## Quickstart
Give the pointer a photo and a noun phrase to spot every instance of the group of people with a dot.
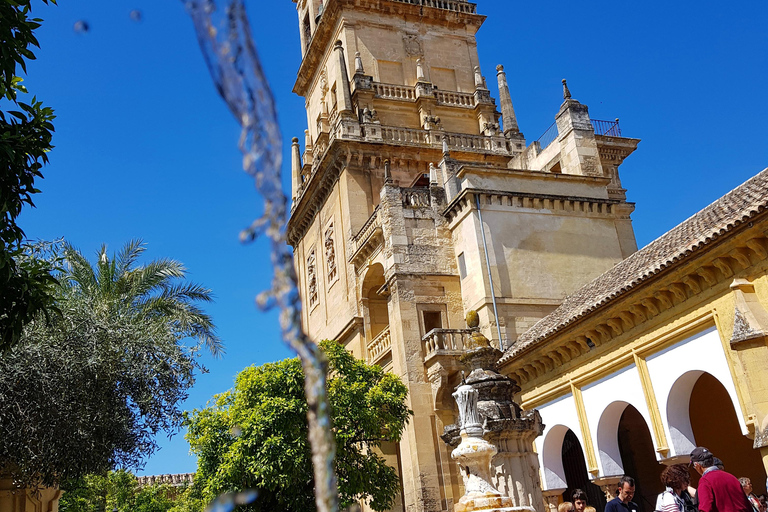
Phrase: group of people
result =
(718, 491)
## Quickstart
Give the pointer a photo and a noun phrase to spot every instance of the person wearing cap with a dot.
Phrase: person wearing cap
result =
(623, 502)
(718, 490)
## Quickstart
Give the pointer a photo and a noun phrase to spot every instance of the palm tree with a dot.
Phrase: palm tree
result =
(118, 286)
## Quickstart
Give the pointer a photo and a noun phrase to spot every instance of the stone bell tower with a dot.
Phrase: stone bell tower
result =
(416, 199)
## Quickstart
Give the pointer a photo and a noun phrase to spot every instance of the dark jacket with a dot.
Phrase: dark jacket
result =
(616, 505)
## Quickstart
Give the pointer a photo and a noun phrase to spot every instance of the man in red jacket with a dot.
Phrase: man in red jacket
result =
(718, 491)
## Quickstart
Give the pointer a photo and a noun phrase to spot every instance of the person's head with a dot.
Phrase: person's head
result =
(626, 488)
(579, 499)
(676, 477)
(702, 459)
(565, 506)
(746, 484)
(590, 509)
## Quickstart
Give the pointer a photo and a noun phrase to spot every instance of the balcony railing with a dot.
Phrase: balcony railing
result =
(379, 346)
(415, 197)
(548, 137)
(455, 99)
(371, 225)
(445, 340)
(394, 92)
(608, 128)
(456, 5)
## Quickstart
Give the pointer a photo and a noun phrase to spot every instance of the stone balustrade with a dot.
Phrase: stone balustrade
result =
(445, 340)
(379, 346)
(404, 135)
(175, 480)
(415, 197)
(372, 224)
(449, 5)
(394, 92)
(455, 99)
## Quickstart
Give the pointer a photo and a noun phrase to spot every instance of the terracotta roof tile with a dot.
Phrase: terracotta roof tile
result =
(731, 210)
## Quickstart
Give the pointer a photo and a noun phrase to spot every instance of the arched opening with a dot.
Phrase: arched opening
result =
(576, 475)
(638, 458)
(552, 457)
(678, 417)
(375, 309)
(608, 440)
(714, 424)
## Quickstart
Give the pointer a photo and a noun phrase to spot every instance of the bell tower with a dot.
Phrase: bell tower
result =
(416, 198)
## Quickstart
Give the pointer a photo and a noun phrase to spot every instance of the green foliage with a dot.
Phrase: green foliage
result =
(255, 436)
(26, 131)
(119, 490)
(89, 390)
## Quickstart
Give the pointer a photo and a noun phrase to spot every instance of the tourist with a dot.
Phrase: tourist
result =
(623, 502)
(565, 506)
(579, 499)
(746, 485)
(718, 490)
(676, 479)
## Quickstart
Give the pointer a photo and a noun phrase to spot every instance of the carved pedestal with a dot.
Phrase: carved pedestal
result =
(13, 499)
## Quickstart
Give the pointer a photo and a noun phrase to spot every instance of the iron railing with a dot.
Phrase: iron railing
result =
(609, 128)
(548, 137)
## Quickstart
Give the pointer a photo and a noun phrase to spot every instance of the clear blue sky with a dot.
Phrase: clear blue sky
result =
(145, 148)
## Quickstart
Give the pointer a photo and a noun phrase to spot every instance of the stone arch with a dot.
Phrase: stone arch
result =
(678, 415)
(608, 438)
(552, 457)
(375, 305)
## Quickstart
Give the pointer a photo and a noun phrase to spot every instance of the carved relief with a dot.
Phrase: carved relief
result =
(330, 253)
(311, 279)
(413, 45)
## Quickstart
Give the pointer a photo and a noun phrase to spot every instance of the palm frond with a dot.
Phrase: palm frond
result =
(127, 256)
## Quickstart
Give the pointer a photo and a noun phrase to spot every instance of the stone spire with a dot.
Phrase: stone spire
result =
(295, 168)
(507, 110)
(344, 96)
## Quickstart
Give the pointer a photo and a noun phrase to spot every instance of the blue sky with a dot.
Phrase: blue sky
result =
(145, 148)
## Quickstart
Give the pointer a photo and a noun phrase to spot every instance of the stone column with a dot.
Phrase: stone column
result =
(609, 485)
(295, 168)
(552, 498)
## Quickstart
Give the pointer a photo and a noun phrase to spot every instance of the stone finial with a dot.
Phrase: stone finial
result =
(446, 152)
(507, 110)
(345, 96)
(295, 167)
(566, 91)
(358, 64)
(478, 77)
(387, 172)
(473, 319)
(420, 70)
(432, 174)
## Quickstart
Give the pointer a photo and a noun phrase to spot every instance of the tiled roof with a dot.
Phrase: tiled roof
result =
(704, 227)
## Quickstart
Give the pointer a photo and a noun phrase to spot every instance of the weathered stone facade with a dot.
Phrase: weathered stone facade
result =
(437, 205)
